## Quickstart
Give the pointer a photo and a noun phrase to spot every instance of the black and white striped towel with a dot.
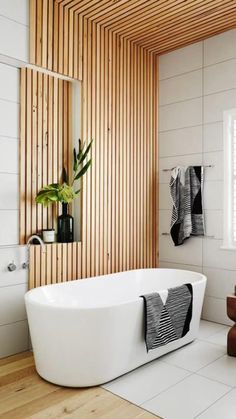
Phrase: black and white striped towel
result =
(186, 186)
(167, 322)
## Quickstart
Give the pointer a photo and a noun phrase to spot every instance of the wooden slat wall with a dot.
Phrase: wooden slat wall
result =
(119, 111)
(60, 263)
(119, 225)
(45, 145)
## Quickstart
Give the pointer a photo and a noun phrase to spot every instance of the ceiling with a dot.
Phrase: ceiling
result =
(159, 25)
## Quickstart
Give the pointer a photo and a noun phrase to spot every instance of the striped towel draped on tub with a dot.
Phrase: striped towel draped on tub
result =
(186, 186)
(167, 322)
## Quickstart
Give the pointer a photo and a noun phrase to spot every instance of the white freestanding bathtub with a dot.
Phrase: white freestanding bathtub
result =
(88, 332)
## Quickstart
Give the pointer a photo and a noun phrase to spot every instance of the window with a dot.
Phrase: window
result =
(229, 241)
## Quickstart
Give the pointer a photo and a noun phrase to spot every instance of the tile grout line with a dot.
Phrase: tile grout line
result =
(189, 154)
(172, 385)
(204, 266)
(190, 126)
(221, 397)
(197, 97)
(16, 21)
(15, 322)
(9, 101)
(13, 285)
(216, 381)
(199, 68)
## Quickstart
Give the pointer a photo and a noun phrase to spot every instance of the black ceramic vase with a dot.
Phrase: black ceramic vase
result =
(65, 226)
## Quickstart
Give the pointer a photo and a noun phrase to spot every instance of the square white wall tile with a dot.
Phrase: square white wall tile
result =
(9, 161)
(214, 309)
(219, 77)
(9, 112)
(220, 282)
(179, 88)
(172, 265)
(190, 251)
(9, 191)
(14, 39)
(9, 227)
(180, 142)
(165, 201)
(220, 47)
(169, 162)
(17, 10)
(19, 255)
(213, 195)
(214, 223)
(216, 104)
(9, 82)
(13, 338)
(164, 221)
(215, 257)
(12, 305)
(213, 137)
(181, 61)
(215, 159)
(180, 115)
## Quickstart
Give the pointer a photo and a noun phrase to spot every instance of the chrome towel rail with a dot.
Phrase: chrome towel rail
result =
(169, 170)
(202, 237)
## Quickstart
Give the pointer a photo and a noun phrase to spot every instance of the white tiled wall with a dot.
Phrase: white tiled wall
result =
(13, 49)
(197, 83)
(14, 29)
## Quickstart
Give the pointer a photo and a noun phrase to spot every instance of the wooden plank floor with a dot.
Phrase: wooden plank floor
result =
(23, 394)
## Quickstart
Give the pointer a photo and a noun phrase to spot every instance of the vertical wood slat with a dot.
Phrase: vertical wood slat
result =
(60, 263)
(45, 122)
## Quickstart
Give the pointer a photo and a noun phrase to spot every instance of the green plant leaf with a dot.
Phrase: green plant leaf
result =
(83, 170)
(64, 176)
(80, 152)
(75, 164)
(46, 197)
(84, 155)
(66, 193)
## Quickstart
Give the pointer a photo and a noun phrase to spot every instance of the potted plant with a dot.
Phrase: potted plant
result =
(64, 193)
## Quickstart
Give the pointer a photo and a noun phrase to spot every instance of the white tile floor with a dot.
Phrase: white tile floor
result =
(196, 381)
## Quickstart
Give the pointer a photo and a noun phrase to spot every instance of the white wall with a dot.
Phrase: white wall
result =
(14, 51)
(14, 29)
(197, 83)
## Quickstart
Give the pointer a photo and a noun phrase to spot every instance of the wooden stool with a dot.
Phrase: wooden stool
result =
(231, 312)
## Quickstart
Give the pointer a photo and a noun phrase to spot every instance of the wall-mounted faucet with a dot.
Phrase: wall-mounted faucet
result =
(11, 267)
(25, 265)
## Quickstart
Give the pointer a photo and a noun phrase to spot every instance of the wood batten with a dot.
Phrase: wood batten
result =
(60, 262)
(55, 42)
(45, 145)
(158, 26)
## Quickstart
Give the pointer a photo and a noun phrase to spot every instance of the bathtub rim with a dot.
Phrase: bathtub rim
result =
(200, 277)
